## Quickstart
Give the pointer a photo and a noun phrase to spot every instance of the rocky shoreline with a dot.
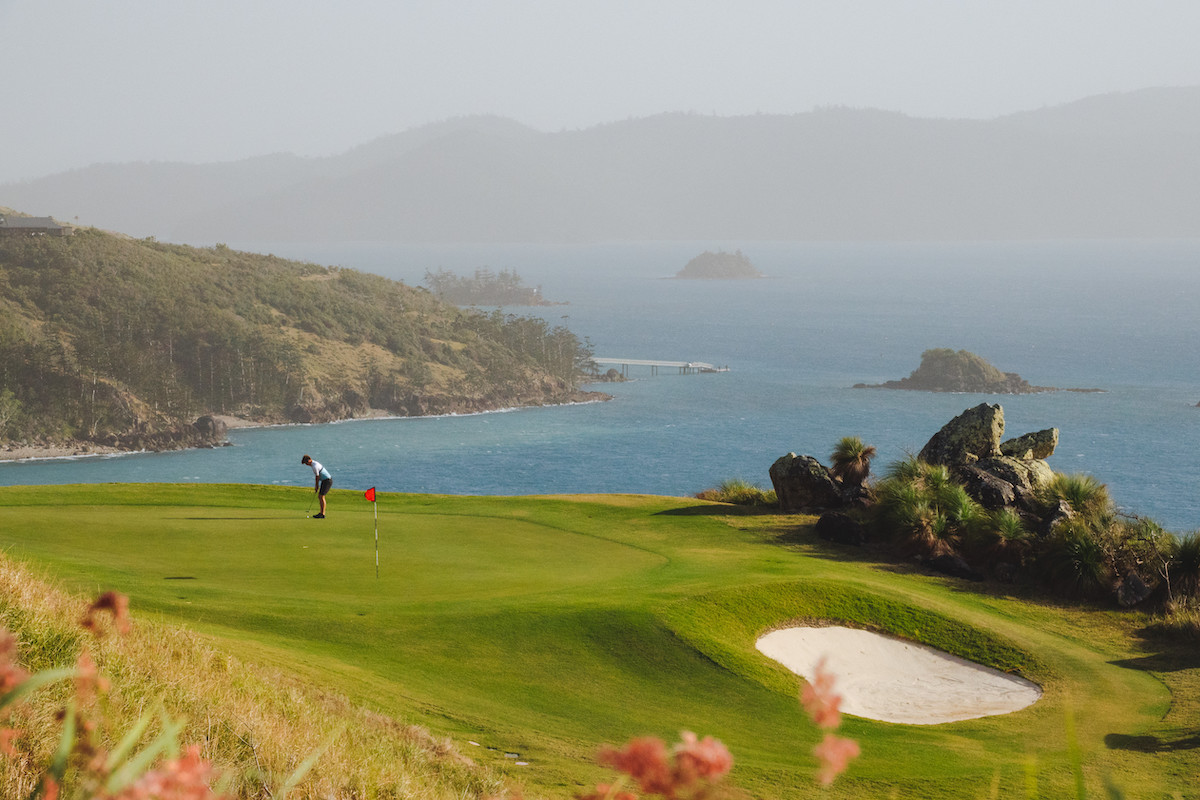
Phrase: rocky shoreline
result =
(208, 431)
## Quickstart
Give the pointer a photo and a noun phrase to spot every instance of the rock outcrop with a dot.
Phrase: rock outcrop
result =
(971, 436)
(211, 429)
(803, 483)
(998, 473)
(946, 370)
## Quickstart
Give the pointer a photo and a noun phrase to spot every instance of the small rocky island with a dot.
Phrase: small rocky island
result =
(485, 288)
(719, 266)
(946, 370)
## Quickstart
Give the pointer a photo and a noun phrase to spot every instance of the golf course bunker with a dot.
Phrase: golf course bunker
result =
(891, 680)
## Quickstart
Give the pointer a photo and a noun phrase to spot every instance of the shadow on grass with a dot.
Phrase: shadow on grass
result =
(1163, 653)
(223, 519)
(1151, 744)
(718, 510)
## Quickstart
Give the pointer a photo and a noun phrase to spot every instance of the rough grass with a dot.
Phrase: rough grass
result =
(544, 627)
(739, 491)
(256, 724)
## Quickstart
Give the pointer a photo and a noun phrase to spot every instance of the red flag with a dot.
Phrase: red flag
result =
(370, 494)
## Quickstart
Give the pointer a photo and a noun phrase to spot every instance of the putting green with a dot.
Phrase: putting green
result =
(545, 626)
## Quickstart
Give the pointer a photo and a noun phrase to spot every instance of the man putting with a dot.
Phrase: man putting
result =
(323, 481)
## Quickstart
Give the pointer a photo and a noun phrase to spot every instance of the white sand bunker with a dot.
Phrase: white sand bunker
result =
(896, 681)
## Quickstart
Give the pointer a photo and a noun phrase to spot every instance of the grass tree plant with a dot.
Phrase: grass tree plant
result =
(851, 461)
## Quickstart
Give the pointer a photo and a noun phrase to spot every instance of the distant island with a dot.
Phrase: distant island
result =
(719, 265)
(484, 288)
(946, 370)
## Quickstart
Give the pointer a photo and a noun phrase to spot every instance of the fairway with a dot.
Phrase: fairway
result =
(542, 627)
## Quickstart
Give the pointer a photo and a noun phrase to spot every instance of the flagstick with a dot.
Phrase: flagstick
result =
(376, 540)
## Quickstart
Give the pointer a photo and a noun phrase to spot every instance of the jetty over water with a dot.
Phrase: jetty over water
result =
(684, 367)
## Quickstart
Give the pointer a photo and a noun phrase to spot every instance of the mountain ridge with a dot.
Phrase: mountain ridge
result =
(1110, 166)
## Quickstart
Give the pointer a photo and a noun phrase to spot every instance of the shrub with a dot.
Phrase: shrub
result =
(851, 461)
(1180, 618)
(739, 492)
(1183, 566)
(924, 510)
(1086, 495)
(1074, 561)
(1001, 536)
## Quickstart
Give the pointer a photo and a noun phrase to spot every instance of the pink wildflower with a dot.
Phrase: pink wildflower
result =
(819, 699)
(835, 754)
(7, 736)
(88, 682)
(11, 674)
(114, 603)
(707, 758)
(188, 777)
(645, 760)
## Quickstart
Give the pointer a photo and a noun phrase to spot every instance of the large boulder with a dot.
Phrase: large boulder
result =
(1025, 475)
(972, 436)
(1039, 445)
(802, 482)
(992, 491)
(211, 429)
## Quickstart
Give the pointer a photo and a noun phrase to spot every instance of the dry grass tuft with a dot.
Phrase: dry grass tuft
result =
(257, 725)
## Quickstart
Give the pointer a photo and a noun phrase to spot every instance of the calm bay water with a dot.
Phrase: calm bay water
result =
(1117, 316)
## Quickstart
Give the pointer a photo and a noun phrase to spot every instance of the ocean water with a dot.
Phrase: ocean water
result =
(1119, 316)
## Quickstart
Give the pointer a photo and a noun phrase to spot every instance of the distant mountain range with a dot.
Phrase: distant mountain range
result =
(1111, 166)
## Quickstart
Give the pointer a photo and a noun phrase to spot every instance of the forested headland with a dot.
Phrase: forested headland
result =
(125, 343)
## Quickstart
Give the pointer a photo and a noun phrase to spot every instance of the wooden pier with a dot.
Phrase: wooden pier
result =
(684, 367)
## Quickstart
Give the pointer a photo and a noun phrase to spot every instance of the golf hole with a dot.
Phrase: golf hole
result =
(892, 680)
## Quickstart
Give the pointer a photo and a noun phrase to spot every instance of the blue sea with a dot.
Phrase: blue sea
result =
(1118, 316)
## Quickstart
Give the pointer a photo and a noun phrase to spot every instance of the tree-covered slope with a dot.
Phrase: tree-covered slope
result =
(109, 339)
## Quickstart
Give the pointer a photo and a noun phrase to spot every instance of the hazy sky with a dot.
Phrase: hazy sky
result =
(88, 81)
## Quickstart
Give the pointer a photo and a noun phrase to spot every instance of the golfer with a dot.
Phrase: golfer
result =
(323, 481)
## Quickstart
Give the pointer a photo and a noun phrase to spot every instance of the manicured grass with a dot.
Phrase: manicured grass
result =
(545, 626)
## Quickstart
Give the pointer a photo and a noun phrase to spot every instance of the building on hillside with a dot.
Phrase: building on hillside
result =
(32, 226)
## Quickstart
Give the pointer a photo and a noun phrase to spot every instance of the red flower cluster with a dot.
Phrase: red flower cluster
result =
(691, 766)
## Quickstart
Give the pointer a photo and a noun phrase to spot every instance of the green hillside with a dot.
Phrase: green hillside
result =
(120, 341)
(542, 627)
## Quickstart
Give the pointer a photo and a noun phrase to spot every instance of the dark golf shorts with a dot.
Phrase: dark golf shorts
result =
(325, 484)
